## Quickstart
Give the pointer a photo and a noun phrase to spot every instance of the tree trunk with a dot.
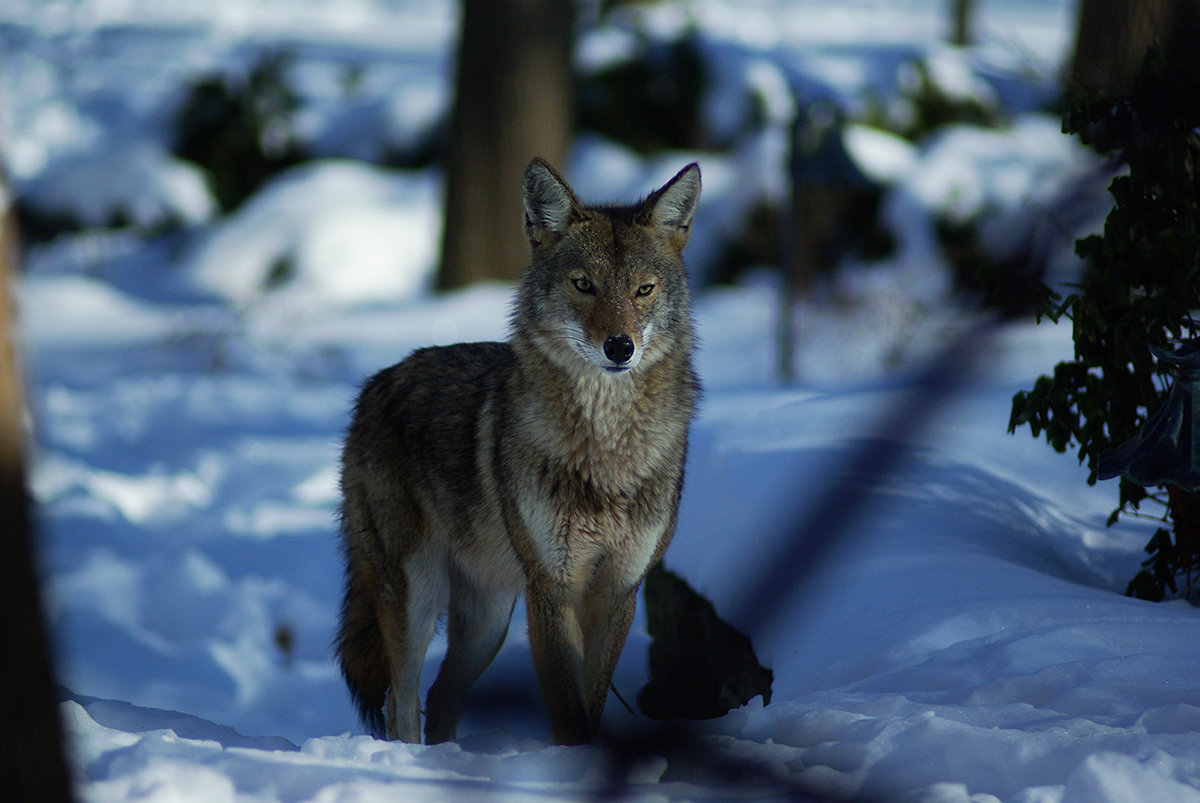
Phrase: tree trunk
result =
(1113, 36)
(962, 13)
(31, 749)
(513, 102)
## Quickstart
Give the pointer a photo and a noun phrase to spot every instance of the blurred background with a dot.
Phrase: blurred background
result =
(825, 131)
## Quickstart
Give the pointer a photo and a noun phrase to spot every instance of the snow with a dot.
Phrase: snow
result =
(881, 156)
(73, 309)
(958, 631)
(342, 231)
(137, 183)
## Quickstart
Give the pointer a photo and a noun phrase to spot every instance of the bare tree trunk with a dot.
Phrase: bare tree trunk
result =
(1113, 36)
(31, 749)
(962, 13)
(513, 103)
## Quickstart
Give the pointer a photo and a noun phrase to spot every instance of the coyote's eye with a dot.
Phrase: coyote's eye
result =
(584, 286)
(645, 290)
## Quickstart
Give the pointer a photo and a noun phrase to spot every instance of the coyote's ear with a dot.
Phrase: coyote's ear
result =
(549, 202)
(674, 204)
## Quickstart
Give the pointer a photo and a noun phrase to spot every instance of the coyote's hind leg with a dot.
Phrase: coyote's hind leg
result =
(477, 625)
(407, 630)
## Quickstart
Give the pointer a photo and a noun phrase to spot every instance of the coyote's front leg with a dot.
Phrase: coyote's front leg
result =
(607, 614)
(556, 641)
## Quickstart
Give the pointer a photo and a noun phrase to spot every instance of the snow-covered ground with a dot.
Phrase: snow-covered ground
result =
(964, 638)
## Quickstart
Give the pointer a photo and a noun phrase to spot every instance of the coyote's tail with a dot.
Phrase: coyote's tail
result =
(363, 658)
(361, 652)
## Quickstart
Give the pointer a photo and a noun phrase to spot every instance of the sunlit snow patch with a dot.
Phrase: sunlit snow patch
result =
(138, 183)
(331, 232)
(79, 310)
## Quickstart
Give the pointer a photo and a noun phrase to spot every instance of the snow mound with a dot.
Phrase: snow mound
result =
(1001, 175)
(332, 232)
(137, 183)
(882, 156)
(70, 310)
(166, 756)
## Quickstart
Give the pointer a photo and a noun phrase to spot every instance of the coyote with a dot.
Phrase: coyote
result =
(550, 464)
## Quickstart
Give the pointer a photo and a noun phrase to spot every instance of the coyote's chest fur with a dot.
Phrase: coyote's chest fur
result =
(602, 431)
(601, 446)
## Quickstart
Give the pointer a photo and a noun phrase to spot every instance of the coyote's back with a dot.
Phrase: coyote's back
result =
(549, 465)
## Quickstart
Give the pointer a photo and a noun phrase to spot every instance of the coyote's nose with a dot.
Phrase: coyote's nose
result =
(618, 348)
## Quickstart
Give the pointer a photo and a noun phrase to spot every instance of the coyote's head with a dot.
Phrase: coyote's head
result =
(606, 290)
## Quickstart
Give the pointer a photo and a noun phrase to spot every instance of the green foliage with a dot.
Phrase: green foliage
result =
(922, 106)
(1011, 285)
(1159, 573)
(1140, 289)
(651, 102)
(240, 132)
